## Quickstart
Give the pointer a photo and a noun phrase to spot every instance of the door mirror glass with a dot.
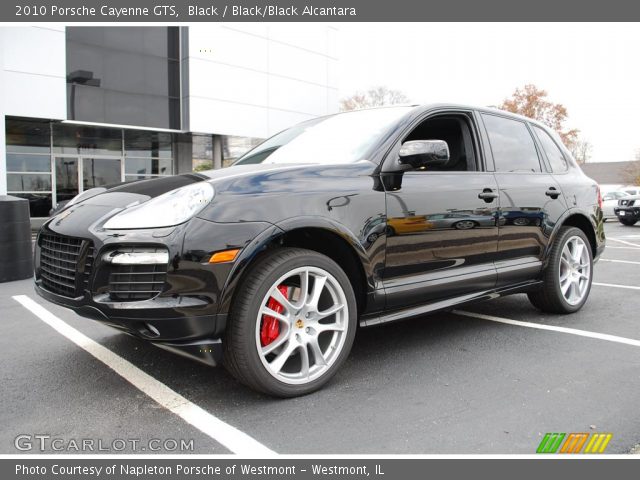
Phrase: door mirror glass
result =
(424, 153)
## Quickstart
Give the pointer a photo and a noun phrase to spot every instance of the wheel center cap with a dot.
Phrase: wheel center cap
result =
(299, 323)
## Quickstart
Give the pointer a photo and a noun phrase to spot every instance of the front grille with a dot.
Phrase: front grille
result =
(62, 269)
(627, 203)
(134, 283)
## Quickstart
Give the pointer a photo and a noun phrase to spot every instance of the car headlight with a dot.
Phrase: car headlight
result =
(167, 210)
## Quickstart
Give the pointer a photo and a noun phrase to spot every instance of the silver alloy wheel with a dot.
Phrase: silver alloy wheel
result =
(575, 270)
(310, 339)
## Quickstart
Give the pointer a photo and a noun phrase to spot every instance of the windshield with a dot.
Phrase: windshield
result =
(341, 138)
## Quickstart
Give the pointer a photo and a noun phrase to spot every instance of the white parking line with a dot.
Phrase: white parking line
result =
(624, 242)
(623, 248)
(615, 285)
(618, 261)
(232, 438)
(540, 326)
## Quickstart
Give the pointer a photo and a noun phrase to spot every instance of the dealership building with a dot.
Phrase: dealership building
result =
(89, 106)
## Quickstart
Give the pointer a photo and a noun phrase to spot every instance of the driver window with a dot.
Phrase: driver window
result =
(455, 131)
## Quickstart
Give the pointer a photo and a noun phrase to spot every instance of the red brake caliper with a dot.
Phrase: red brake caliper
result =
(270, 328)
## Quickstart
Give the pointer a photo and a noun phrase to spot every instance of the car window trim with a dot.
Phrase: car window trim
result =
(566, 161)
(391, 155)
(482, 113)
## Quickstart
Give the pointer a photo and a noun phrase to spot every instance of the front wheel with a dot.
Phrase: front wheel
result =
(568, 275)
(292, 323)
(627, 222)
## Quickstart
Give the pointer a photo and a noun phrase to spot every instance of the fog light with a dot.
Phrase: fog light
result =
(152, 329)
(137, 258)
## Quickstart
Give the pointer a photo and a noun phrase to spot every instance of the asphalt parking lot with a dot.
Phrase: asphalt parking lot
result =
(446, 383)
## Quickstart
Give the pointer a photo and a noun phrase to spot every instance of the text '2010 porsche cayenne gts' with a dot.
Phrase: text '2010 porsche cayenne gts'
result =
(358, 218)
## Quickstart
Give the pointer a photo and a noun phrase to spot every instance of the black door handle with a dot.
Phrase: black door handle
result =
(552, 192)
(487, 195)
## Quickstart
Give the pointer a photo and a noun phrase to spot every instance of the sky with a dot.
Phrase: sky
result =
(592, 69)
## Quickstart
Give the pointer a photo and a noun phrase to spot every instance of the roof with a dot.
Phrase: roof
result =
(606, 172)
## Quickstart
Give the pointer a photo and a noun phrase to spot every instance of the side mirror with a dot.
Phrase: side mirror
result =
(424, 153)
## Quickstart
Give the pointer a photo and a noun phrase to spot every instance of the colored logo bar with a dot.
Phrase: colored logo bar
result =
(573, 443)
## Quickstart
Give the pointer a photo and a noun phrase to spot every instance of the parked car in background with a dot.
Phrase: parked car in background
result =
(631, 190)
(365, 217)
(610, 201)
(628, 210)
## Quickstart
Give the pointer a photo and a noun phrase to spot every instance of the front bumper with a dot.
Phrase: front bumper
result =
(186, 316)
(628, 213)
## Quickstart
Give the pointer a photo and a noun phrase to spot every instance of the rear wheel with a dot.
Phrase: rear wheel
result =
(626, 221)
(568, 275)
(292, 323)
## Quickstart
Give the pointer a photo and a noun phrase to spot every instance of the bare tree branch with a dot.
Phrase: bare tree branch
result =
(374, 97)
(581, 150)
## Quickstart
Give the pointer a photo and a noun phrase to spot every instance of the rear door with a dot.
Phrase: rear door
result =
(531, 201)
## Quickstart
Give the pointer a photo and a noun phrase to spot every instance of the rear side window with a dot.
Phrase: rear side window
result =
(554, 154)
(512, 145)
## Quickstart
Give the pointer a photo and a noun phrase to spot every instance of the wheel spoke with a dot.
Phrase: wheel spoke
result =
(318, 356)
(282, 338)
(328, 327)
(577, 251)
(283, 356)
(330, 311)
(318, 287)
(565, 287)
(282, 300)
(304, 289)
(272, 313)
(304, 361)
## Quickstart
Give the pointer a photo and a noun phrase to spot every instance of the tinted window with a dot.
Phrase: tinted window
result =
(554, 154)
(512, 145)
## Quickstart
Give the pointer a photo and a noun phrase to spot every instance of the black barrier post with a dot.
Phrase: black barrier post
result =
(16, 262)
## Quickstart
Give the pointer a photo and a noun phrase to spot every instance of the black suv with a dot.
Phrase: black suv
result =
(361, 218)
(628, 210)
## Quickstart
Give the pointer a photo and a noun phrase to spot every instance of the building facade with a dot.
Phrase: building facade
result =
(90, 106)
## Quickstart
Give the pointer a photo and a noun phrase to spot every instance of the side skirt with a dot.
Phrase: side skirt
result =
(418, 310)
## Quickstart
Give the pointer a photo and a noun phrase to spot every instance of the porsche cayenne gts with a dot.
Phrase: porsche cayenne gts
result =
(353, 219)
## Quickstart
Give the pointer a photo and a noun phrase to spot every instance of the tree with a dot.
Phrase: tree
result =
(632, 171)
(581, 150)
(532, 102)
(374, 97)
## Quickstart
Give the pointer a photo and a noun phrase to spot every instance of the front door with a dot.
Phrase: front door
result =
(441, 222)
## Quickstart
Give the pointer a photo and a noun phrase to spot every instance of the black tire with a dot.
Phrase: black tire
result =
(626, 222)
(241, 357)
(549, 298)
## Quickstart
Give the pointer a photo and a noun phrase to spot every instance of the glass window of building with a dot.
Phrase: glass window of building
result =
(234, 147)
(147, 154)
(29, 163)
(202, 152)
(70, 139)
(124, 75)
